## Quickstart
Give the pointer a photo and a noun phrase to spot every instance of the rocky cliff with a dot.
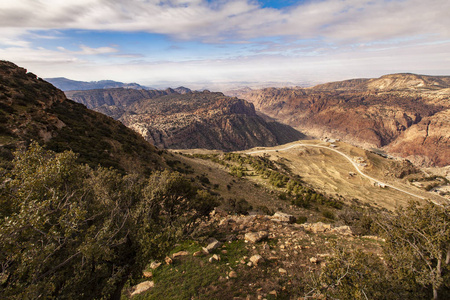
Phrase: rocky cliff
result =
(181, 118)
(405, 114)
(33, 109)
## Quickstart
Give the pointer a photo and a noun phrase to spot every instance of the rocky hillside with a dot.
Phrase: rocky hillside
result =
(406, 114)
(181, 118)
(33, 109)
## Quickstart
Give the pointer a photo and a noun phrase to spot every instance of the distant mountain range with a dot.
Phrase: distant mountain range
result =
(65, 84)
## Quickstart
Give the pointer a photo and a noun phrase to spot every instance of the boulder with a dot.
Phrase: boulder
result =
(283, 217)
(180, 253)
(155, 265)
(214, 258)
(342, 230)
(256, 259)
(255, 237)
(142, 287)
(214, 244)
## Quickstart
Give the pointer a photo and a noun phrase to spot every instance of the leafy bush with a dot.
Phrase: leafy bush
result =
(69, 231)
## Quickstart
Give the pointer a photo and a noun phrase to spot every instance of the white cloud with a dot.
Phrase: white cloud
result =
(335, 20)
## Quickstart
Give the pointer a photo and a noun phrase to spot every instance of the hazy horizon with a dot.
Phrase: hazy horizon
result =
(207, 44)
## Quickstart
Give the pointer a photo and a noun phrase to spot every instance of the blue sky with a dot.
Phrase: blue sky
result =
(225, 43)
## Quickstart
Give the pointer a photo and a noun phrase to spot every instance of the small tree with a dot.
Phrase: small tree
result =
(352, 274)
(418, 244)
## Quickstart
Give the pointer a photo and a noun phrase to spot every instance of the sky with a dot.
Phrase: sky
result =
(225, 43)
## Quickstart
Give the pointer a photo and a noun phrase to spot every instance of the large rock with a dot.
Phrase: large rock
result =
(255, 237)
(142, 287)
(342, 230)
(317, 227)
(213, 244)
(256, 259)
(283, 217)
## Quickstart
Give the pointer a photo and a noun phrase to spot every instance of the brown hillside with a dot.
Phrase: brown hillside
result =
(32, 109)
(406, 113)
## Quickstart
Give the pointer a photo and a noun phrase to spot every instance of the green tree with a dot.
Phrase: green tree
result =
(418, 245)
(71, 232)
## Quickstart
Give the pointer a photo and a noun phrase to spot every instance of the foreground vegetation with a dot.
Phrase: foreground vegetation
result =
(70, 231)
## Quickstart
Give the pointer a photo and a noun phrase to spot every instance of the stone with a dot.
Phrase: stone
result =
(168, 260)
(180, 253)
(232, 274)
(282, 271)
(256, 259)
(274, 293)
(154, 265)
(147, 274)
(314, 260)
(214, 244)
(342, 230)
(255, 237)
(283, 217)
(142, 287)
(317, 227)
(214, 258)
(197, 253)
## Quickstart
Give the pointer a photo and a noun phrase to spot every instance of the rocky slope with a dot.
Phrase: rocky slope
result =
(405, 114)
(33, 109)
(181, 118)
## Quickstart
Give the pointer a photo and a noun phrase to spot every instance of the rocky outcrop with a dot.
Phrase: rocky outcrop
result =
(404, 113)
(185, 119)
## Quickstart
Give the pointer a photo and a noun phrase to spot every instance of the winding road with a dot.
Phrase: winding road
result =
(344, 155)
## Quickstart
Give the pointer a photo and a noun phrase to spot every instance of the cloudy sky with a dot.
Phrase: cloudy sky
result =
(208, 43)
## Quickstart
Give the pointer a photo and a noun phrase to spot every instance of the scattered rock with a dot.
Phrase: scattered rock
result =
(342, 230)
(180, 253)
(168, 260)
(314, 260)
(197, 253)
(250, 264)
(213, 244)
(274, 293)
(142, 287)
(214, 258)
(232, 274)
(256, 259)
(282, 271)
(155, 265)
(255, 237)
(283, 217)
(317, 227)
(147, 274)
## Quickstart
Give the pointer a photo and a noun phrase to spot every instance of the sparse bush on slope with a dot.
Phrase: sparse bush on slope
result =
(71, 232)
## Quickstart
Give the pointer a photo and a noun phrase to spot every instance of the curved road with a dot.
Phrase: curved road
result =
(344, 155)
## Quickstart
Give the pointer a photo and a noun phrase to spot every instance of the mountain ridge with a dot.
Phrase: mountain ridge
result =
(405, 114)
(188, 119)
(66, 84)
